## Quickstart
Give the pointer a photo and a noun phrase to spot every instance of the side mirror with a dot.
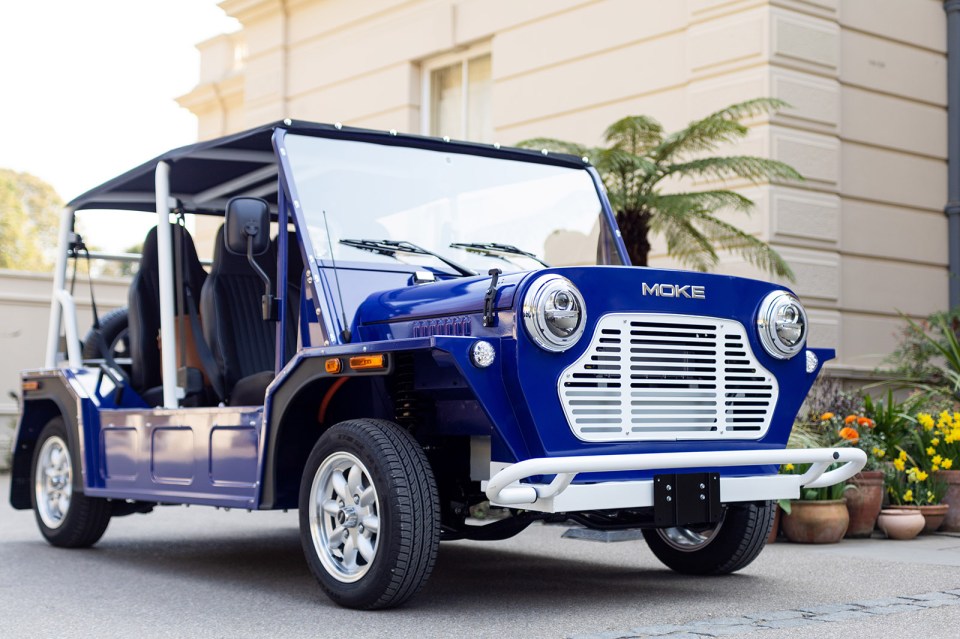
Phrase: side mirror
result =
(247, 227)
(246, 231)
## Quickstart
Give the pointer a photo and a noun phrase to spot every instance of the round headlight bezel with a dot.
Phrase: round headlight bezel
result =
(770, 322)
(541, 294)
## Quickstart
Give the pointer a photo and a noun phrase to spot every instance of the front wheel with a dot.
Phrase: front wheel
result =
(66, 518)
(721, 549)
(369, 514)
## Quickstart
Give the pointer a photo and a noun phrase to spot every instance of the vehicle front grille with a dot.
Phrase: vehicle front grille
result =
(667, 377)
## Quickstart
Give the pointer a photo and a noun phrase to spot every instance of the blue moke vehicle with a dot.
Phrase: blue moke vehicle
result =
(434, 324)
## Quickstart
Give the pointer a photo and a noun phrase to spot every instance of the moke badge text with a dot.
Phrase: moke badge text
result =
(675, 290)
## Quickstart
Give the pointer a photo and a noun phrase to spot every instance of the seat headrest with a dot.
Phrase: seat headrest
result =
(149, 256)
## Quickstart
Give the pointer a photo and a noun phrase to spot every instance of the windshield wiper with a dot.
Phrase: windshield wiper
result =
(391, 248)
(495, 249)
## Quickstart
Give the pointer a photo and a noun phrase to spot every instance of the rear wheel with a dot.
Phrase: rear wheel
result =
(721, 549)
(369, 514)
(66, 518)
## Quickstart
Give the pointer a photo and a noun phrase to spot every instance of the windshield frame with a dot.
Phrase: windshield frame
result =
(606, 218)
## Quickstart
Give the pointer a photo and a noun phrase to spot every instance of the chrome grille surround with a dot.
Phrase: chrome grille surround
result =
(649, 376)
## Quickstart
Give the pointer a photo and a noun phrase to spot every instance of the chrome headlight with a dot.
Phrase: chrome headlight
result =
(554, 313)
(782, 324)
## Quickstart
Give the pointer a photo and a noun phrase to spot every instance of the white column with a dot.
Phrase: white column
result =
(168, 351)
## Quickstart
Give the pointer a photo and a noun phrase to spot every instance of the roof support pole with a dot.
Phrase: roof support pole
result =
(59, 281)
(952, 7)
(168, 340)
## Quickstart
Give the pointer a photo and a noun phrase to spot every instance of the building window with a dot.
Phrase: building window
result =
(457, 96)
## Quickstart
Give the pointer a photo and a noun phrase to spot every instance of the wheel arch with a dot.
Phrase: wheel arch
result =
(52, 398)
(300, 409)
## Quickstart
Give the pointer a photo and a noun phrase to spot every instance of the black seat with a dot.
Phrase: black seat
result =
(243, 344)
(143, 300)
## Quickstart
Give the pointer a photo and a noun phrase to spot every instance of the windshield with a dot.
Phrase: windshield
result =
(493, 210)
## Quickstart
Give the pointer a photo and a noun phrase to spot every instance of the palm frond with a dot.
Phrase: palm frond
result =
(720, 127)
(750, 108)
(634, 134)
(726, 236)
(748, 167)
(688, 245)
(700, 136)
(696, 201)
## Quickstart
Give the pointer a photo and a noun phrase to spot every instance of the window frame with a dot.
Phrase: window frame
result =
(427, 67)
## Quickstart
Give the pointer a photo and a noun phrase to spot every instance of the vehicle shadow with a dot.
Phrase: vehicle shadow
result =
(470, 577)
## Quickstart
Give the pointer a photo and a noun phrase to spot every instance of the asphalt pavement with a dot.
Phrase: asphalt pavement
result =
(200, 572)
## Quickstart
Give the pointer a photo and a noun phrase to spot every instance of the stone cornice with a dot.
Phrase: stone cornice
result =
(247, 11)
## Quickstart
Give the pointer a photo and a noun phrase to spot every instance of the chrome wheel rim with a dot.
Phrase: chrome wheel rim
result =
(344, 517)
(687, 540)
(53, 483)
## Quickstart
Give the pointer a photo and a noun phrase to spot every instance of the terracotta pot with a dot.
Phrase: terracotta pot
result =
(934, 516)
(816, 522)
(901, 523)
(772, 537)
(863, 502)
(951, 523)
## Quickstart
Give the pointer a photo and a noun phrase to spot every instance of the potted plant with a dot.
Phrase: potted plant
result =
(938, 443)
(820, 516)
(912, 489)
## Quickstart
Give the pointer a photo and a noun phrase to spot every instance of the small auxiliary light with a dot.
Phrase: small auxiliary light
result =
(333, 365)
(812, 361)
(366, 362)
(482, 354)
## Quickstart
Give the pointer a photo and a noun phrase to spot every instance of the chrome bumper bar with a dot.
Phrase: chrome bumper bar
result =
(560, 495)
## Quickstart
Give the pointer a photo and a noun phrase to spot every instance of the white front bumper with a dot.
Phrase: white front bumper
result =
(504, 487)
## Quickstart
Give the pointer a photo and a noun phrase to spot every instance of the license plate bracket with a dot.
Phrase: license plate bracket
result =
(682, 499)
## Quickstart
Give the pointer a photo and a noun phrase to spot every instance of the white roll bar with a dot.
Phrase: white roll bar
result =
(59, 280)
(69, 308)
(168, 345)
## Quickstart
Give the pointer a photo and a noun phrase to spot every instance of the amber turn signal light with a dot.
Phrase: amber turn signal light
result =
(333, 365)
(31, 385)
(366, 362)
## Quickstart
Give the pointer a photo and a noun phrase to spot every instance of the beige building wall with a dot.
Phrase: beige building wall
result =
(865, 232)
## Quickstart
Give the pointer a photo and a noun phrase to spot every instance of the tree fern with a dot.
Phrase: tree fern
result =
(639, 155)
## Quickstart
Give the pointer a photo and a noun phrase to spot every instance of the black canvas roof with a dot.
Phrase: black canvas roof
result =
(205, 175)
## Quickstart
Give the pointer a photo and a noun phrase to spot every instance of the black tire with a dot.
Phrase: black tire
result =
(737, 541)
(407, 514)
(86, 518)
(114, 331)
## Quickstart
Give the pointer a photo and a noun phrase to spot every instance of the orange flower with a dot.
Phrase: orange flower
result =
(866, 421)
(850, 434)
(850, 419)
(826, 416)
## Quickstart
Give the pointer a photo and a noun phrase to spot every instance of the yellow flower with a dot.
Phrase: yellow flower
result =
(902, 456)
(898, 464)
(925, 420)
(931, 451)
(947, 463)
(920, 475)
(937, 460)
(935, 441)
(908, 496)
(935, 468)
(878, 453)
(929, 495)
(826, 416)
(788, 467)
